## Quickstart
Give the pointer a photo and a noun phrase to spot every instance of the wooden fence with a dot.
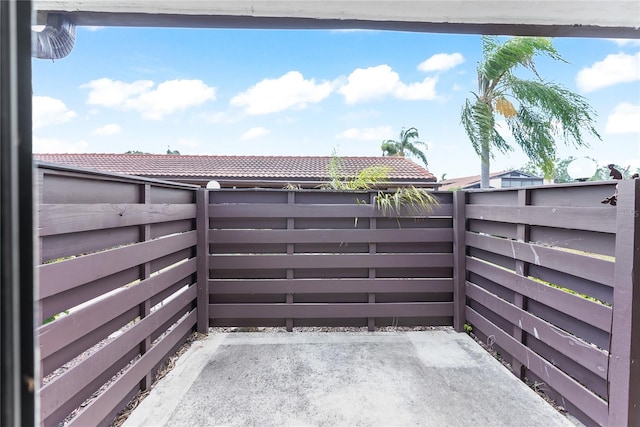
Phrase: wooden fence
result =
(309, 258)
(546, 275)
(117, 270)
(130, 267)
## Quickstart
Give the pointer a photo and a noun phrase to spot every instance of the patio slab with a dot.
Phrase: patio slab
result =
(427, 378)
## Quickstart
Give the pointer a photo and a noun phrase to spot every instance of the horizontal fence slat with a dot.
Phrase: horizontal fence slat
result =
(272, 210)
(57, 335)
(585, 354)
(106, 401)
(79, 376)
(330, 236)
(64, 275)
(302, 261)
(331, 310)
(315, 286)
(72, 218)
(588, 267)
(582, 309)
(601, 219)
(588, 402)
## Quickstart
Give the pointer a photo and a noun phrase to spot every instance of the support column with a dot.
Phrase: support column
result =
(624, 354)
(202, 228)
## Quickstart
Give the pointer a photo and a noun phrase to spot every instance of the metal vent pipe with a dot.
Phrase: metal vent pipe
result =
(56, 40)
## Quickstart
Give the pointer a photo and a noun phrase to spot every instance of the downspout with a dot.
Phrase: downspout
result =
(56, 40)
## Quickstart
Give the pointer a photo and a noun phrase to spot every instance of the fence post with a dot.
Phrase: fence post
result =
(202, 228)
(624, 353)
(459, 263)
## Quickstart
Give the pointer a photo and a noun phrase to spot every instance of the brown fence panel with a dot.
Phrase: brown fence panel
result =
(311, 258)
(117, 287)
(540, 282)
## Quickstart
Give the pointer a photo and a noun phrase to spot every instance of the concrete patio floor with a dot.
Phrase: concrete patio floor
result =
(427, 378)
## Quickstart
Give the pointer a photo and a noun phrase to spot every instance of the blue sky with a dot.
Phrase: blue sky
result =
(305, 92)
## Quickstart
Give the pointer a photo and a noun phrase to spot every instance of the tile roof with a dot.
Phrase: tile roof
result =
(468, 181)
(276, 167)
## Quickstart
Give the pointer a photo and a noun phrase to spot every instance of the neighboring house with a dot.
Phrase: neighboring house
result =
(504, 179)
(244, 171)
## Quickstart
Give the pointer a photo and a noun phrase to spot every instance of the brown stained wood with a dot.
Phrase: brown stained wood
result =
(331, 261)
(597, 219)
(500, 229)
(592, 405)
(599, 291)
(108, 399)
(586, 241)
(57, 335)
(320, 310)
(584, 353)
(73, 244)
(505, 197)
(624, 378)
(330, 236)
(255, 210)
(309, 286)
(588, 267)
(82, 374)
(55, 360)
(172, 195)
(576, 371)
(73, 218)
(589, 312)
(86, 189)
(165, 228)
(61, 276)
(74, 399)
(572, 195)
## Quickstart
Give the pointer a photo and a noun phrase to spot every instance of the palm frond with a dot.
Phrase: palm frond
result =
(517, 51)
(569, 111)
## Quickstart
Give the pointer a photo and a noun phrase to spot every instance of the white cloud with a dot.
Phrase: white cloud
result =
(441, 62)
(624, 119)
(365, 84)
(54, 145)
(110, 129)
(50, 111)
(113, 93)
(291, 90)
(171, 96)
(626, 42)
(167, 98)
(254, 133)
(415, 91)
(367, 134)
(613, 69)
(93, 28)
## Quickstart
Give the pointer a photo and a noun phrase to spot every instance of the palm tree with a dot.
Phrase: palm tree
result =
(405, 146)
(543, 110)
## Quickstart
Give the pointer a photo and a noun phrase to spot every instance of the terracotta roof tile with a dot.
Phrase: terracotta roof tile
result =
(284, 167)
